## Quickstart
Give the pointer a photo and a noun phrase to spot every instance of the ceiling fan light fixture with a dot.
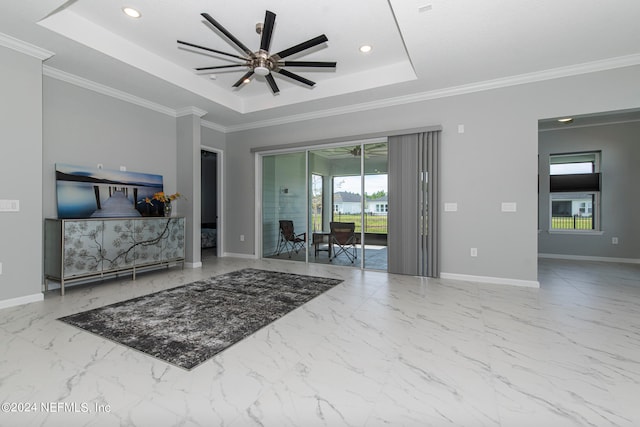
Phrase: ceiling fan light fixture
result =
(131, 12)
(261, 70)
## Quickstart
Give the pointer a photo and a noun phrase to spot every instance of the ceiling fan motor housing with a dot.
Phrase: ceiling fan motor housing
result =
(262, 64)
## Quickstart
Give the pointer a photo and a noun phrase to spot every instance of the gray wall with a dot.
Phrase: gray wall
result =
(82, 127)
(21, 174)
(212, 138)
(620, 201)
(493, 161)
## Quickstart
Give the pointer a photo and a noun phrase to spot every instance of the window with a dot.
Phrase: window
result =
(574, 186)
(317, 199)
(382, 208)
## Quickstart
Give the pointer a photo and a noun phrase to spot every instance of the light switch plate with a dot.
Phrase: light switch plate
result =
(509, 206)
(9, 205)
(450, 207)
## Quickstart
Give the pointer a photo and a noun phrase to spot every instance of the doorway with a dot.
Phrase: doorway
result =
(210, 203)
(350, 186)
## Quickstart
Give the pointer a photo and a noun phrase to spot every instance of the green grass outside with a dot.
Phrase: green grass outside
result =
(571, 223)
(373, 223)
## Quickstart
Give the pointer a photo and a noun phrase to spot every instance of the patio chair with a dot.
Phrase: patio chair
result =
(289, 240)
(343, 240)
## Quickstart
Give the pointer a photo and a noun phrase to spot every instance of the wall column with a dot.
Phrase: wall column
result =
(188, 179)
(21, 171)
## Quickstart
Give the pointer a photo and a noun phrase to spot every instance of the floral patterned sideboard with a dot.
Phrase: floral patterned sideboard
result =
(82, 249)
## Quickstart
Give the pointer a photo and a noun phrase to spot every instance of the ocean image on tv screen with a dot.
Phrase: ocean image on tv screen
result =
(100, 193)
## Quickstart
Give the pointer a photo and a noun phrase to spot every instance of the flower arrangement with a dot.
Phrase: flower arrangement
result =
(162, 197)
(165, 199)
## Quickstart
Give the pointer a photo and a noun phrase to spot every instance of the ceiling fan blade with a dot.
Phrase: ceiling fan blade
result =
(227, 34)
(217, 67)
(243, 78)
(212, 50)
(321, 64)
(302, 46)
(296, 77)
(267, 30)
(272, 83)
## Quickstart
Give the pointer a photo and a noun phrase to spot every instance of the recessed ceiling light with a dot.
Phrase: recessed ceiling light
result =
(365, 48)
(131, 12)
(566, 120)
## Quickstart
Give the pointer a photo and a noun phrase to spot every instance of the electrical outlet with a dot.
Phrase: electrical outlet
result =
(474, 252)
(242, 237)
(614, 240)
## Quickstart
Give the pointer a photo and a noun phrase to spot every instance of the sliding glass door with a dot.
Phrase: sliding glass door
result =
(284, 198)
(343, 184)
(376, 205)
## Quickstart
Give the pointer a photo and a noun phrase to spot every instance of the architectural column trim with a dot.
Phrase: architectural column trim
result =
(186, 111)
(188, 173)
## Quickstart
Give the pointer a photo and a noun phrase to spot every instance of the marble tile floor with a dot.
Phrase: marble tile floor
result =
(377, 350)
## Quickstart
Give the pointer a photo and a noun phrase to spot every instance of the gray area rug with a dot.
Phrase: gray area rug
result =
(189, 324)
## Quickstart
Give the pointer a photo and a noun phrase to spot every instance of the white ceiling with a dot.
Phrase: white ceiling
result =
(421, 49)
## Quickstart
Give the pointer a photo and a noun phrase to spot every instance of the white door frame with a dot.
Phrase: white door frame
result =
(219, 198)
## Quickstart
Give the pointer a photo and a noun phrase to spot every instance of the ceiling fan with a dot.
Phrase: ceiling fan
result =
(262, 62)
(370, 151)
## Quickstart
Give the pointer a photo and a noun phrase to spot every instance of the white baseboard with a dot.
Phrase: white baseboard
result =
(21, 300)
(245, 256)
(193, 264)
(488, 279)
(591, 258)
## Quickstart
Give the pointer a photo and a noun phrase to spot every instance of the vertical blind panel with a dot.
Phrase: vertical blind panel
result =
(403, 218)
(433, 203)
(413, 204)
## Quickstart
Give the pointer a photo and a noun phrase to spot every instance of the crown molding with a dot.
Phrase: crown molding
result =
(538, 76)
(24, 47)
(214, 126)
(555, 73)
(188, 111)
(105, 90)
